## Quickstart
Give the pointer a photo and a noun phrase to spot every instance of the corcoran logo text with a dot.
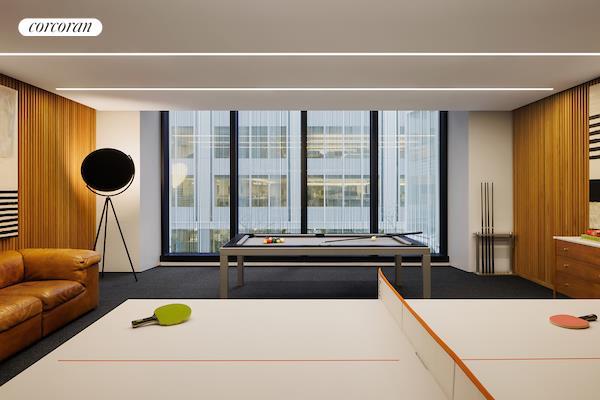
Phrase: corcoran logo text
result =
(60, 27)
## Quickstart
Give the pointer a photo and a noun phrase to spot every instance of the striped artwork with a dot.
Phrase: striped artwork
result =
(9, 163)
(594, 126)
(9, 213)
(594, 147)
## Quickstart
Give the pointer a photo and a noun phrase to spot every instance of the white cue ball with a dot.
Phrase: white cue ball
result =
(373, 237)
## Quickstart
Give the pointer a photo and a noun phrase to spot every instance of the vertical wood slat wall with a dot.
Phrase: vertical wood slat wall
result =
(55, 134)
(550, 175)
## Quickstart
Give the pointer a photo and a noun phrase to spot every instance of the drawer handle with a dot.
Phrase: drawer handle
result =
(565, 266)
(566, 284)
(565, 249)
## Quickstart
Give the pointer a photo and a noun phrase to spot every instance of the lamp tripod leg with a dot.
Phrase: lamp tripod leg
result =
(122, 237)
(104, 242)
(100, 224)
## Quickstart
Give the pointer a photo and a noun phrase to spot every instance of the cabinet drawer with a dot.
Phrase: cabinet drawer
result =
(588, 254)
(586, 271)
(574, 286)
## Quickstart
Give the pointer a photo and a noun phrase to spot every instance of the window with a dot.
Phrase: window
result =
(221, 190)
(338, 171)
(184, 194)
(260, 141)
(409, 182)
(355, 189)
(315, 191)
(199, 180)
(269, 166)
(333, 191)
(221, 141)
(269, 175)
(184, 135)
(184, 240)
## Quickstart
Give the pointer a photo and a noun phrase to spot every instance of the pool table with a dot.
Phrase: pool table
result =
(390, 245)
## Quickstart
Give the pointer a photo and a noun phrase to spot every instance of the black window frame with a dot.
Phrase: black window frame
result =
(441, 256)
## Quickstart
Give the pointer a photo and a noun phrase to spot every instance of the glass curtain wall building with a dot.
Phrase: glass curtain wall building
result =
(409, 181)
(199, 179)
(338, 171)
(338, 145)
(269, 171)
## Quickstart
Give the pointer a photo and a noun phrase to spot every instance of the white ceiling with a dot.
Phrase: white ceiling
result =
(308, 26)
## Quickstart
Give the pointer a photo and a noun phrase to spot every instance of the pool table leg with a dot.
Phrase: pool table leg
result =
(426, 266)
(224, 277)
(398, 263)
(240, 270)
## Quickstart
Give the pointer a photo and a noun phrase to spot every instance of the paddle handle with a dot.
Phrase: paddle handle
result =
(589, 318)
(144, 321)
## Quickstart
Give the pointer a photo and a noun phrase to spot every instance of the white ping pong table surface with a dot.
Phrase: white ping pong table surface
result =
(385, 348)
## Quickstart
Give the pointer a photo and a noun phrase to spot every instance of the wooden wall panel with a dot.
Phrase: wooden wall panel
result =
(551, 173)
(55, 134)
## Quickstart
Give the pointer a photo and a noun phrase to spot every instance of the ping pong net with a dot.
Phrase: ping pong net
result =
(449, 371)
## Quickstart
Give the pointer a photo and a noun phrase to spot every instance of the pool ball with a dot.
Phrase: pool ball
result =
(282, 240)
(373, 237)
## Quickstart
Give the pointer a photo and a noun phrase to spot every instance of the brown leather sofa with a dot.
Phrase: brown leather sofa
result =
(42, 290)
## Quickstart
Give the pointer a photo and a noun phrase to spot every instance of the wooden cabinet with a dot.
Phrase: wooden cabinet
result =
(577, 271)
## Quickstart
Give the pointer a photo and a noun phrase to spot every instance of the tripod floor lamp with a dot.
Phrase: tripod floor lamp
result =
(108, 173)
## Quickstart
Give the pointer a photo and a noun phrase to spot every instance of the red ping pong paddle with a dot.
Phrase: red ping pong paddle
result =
(571, 322)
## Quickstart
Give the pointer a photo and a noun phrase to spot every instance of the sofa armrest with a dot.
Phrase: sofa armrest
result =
(69, 264)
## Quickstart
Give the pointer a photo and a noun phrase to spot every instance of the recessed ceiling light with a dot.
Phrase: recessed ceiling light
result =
(303, 89)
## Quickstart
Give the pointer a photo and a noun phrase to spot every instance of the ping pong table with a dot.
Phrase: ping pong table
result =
(384, 348)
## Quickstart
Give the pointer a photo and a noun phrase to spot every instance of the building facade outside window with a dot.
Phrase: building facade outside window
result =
(269, 174)
(338, 171)
(199, 180)
(409, 181)
(269, 168)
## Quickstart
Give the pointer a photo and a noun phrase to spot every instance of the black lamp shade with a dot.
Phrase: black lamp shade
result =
(107, 170)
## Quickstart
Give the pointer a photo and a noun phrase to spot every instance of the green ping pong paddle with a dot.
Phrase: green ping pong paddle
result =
(170, 314)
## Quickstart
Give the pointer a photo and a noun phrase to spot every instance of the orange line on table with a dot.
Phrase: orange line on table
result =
(532, 359)
(229, 360)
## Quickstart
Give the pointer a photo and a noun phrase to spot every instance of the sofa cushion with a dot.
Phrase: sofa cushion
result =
(48, 264)
(51, 293)
(17, 309)
(11, 268)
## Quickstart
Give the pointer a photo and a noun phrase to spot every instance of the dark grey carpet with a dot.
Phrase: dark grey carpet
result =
(273, 282)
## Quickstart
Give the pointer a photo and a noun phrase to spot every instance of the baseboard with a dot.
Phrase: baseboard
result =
(535, 280)
(296, 264)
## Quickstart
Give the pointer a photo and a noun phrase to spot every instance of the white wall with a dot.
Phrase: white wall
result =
(479, 150)
(150, 191)
(490, 160)
(458, 188)
(138, 208)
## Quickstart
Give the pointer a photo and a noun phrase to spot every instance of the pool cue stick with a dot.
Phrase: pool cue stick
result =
(487, 224)
(482, 239)
(485, 238)
(368, 237)
(493, 238)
